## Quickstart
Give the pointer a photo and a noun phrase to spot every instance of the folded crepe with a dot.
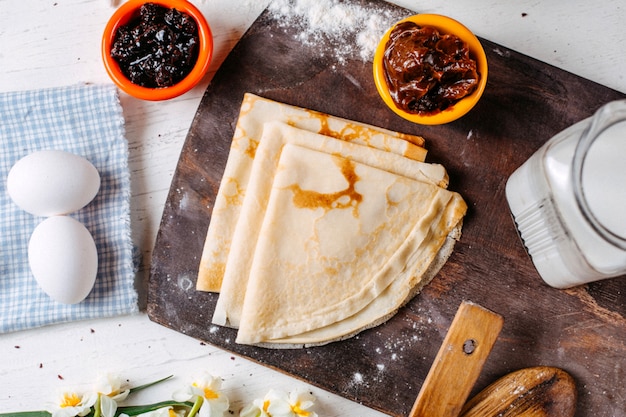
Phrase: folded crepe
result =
(274, 138)
(342, 245)
(322, 227)
(255, 111)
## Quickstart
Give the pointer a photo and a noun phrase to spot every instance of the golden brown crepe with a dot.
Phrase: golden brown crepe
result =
(335, 236)
(252, 211)
(322, 227)
(255, 111)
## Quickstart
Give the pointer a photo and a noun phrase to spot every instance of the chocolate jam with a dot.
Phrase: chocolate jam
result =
(157, 49)
(427, 71)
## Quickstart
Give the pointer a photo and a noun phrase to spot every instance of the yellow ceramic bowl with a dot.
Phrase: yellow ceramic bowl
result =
(444, 25)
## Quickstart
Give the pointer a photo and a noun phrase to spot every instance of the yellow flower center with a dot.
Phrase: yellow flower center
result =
(209, 394)
(70, 400)
(266, 405)
(172, 413)
(299, 412)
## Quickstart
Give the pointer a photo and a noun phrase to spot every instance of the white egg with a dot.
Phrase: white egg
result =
(52, 182)
(63, 259)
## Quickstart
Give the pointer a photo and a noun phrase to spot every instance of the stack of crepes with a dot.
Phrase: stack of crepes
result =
(322, 227)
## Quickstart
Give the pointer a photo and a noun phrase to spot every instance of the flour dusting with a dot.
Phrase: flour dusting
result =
(352, 31)
(184, 282)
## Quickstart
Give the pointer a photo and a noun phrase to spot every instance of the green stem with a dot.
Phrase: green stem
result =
(132, 410)
(140, 409)
(96, 407)
(196, 406)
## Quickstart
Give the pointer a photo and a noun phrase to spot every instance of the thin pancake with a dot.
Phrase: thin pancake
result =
(255, 111)
(360, 228)
(384, 306)
(244, 239)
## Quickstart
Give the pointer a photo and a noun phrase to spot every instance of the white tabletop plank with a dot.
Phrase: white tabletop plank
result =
(56, 42)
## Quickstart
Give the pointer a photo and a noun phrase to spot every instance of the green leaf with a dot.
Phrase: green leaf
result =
(149, 384)
(131, 410)
(140, 409)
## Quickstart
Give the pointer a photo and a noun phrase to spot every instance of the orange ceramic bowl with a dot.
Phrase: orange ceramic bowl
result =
(444, 25)
(130, 10)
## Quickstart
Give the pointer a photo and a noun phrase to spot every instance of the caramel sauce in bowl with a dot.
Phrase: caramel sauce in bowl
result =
(430, 69)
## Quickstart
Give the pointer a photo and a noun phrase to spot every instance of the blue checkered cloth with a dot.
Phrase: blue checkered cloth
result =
(86, 120)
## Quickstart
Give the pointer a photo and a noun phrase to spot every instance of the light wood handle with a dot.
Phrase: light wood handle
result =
(459, 362)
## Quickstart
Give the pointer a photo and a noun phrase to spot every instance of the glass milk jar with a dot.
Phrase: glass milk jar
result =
(569, 201)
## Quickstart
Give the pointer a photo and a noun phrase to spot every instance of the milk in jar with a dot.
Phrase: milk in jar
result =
(568, 201)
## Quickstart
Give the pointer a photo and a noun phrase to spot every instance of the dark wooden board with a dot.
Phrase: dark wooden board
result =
(525, 103)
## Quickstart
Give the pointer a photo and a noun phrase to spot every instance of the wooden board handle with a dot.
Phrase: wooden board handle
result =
(458, 364)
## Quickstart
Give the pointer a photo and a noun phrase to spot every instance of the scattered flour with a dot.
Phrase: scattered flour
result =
(352, 31)
(184, 282)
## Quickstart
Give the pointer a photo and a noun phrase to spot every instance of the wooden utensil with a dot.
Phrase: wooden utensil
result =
(532, 392)
(458, 363)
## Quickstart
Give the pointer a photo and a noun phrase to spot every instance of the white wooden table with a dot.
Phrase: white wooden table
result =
(56, 42)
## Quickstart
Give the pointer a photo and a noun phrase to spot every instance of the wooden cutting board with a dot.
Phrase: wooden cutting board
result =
(525, 103)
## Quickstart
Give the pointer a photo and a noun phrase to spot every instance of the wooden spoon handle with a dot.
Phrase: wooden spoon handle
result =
(459, 362)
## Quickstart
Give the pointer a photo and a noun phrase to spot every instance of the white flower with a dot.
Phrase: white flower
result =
(302, 403)
(161, 412)
(205, 389)
(294, 404)
(258, 408)
(72, 404)
(109, 387)
(281, 404)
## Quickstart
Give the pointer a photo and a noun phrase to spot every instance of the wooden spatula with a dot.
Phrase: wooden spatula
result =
(458, 363)
(532, 392)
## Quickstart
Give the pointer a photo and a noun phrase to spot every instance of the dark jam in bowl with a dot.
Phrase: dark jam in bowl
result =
(158, 48)
(427, 71)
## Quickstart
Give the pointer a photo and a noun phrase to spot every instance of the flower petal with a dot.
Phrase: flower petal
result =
(121, 396)
(183, 394)
(108, 406)
(109, 384)
(252, 410)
